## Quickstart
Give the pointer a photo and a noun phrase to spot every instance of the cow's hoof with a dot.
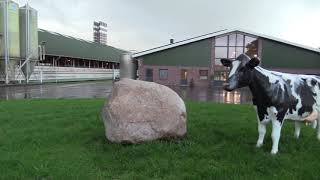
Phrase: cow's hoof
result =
(259, 144)
(274, 152)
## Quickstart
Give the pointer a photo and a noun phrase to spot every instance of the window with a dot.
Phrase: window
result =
(221, 52)
(231, 46)
(239, 50)
(149, 75)
(240, 39)
(222, 41)
(232, 53)
(203, 74)
(220, 76)
(163, 73)
(252, 48)
(232, 39)
(249, 40)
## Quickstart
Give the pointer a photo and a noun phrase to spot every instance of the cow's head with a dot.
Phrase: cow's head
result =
(240, 71)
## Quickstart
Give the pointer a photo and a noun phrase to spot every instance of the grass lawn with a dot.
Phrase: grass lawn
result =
(64, 139)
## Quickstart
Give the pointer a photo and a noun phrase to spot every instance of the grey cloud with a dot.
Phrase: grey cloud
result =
(143, 24)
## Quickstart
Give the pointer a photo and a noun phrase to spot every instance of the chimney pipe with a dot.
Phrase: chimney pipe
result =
(171, 41)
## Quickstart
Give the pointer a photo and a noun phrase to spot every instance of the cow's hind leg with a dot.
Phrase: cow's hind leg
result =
(297, 128)
(275, 135)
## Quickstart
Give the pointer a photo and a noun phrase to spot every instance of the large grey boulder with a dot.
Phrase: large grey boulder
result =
(139, 111)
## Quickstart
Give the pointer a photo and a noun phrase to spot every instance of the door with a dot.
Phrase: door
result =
(184, 77)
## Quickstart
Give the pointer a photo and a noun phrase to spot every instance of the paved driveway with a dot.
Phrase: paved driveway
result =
(100, 89)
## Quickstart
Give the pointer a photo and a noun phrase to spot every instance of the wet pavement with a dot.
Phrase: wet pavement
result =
(214, 94)
(100, 89)
(91, 89)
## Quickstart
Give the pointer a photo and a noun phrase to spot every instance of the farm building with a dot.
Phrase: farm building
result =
(31, 54)
(68, 58)
(196, 61)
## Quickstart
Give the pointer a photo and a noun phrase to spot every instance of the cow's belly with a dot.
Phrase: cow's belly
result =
(306, 116)
(297, 117)
(310, 111)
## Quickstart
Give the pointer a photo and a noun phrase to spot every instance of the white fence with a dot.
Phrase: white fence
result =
(58, 74)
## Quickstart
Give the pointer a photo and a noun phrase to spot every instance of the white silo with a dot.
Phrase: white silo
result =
(9, 39)
(28, 39)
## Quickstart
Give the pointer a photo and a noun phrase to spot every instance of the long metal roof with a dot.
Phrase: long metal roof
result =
(63, 45)
(219, 33)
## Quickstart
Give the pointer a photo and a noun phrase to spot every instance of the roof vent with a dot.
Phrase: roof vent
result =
(171, 41)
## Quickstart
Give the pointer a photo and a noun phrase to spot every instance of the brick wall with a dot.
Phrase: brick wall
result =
(174, 74)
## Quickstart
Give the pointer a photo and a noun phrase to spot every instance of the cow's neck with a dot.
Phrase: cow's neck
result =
(260, 86)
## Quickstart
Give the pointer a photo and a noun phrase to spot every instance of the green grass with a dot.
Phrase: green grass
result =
(64, 139)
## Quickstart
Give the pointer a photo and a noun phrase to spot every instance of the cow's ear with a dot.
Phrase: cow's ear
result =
(253, 63)
(226, 62)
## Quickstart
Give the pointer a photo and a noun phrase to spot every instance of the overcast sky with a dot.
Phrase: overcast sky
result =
(143, 24)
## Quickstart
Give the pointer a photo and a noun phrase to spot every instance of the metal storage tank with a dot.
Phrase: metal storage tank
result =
(9, 10)
(128, 67)
(28, 38)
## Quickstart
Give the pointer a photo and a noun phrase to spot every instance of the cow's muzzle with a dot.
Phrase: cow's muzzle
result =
(226, 86)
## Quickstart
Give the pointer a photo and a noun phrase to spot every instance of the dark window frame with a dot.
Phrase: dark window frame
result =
(167, 74)
(243, 46)
(149, 78)
(207, 74)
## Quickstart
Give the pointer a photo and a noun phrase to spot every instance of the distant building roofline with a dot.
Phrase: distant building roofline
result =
(219, 33)
(64, 45)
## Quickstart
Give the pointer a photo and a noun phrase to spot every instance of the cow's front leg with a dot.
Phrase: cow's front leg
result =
(275, 135)
(262, 132)
(297, 127)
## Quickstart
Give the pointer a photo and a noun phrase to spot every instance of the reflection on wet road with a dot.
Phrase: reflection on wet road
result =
(60, 90)
(98, 89)
(215, 94)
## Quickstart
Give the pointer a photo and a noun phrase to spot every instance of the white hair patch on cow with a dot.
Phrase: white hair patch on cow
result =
(235, 65)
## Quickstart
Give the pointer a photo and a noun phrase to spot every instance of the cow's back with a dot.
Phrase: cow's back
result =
(307, 89)
(299, 94)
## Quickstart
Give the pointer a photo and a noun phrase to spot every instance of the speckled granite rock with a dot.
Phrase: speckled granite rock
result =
(139, 111)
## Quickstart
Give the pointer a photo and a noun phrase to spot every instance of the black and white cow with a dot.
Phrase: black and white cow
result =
(277, 96)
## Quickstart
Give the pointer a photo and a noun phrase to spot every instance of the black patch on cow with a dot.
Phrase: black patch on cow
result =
(266, 94)
(258, 98)
(292, 101)
(293, 104)
(307, 97)
(262, 111)
(281, 113)
(279, 94)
